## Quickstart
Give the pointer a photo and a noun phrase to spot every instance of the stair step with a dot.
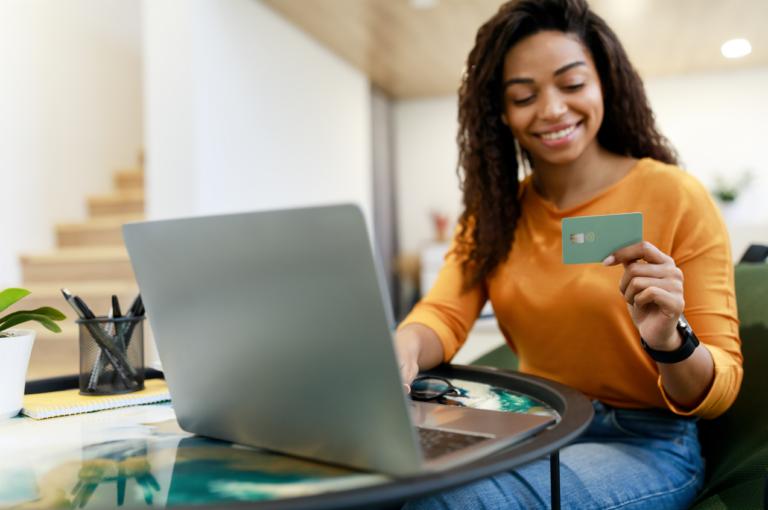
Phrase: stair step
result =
(123, 202)
(72, 265)
(53, 358)
(99, 231)
(97, 295)
(70, 332)
(129, 179)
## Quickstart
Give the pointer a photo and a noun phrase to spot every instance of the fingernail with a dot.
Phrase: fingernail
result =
(609, 260)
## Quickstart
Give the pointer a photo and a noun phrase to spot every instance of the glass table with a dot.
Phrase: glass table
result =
(139, 457)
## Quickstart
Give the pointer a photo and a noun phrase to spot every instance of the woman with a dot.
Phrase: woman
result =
(550, 78)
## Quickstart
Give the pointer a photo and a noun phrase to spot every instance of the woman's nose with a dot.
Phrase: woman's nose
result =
(553, 107)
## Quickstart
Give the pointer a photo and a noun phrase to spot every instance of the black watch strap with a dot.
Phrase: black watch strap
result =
(690, 342)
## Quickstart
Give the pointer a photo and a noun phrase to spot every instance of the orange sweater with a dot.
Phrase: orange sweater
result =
(569, 323)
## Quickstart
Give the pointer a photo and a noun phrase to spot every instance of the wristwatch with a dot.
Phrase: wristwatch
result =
(690, 342)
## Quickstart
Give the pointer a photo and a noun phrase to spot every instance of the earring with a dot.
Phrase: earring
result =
(523, 165)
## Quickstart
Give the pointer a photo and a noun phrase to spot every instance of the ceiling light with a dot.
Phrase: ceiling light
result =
(736, 48)
(423, 4)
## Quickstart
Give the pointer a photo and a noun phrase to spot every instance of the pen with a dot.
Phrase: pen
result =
(130, 313)
(136, 310)
(116, 329)
(86, 311)
(93, 381)
(116, 307)
(135, 305)
(72, 302)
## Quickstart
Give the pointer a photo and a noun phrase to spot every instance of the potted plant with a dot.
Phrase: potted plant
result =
(16, 346)
(726, 191)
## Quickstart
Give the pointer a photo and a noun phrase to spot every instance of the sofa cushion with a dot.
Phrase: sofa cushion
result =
(735, 444)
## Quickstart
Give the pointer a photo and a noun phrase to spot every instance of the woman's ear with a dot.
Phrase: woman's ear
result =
(504, 119)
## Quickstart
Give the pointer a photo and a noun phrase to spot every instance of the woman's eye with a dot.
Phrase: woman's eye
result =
(522, 101)
(574, 87)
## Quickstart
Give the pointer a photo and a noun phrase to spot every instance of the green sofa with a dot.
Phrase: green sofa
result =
(735, 444)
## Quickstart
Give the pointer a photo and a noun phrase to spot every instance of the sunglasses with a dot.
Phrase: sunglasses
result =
(432, 388)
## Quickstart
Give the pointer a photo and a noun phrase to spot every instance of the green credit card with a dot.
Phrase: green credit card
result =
(588, 239)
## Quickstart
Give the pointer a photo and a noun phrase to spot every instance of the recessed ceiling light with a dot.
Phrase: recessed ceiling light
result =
(736, 48)
(423, 4)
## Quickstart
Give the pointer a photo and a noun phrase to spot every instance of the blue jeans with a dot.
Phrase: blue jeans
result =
(628, 459)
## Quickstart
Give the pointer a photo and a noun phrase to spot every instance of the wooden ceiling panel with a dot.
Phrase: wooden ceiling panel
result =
(410, 52)
(664, 37)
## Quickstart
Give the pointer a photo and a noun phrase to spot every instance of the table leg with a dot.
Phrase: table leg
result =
(554, 478)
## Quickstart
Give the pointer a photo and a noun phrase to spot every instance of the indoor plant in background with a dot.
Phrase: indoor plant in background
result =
(727, 190)
(16, 346)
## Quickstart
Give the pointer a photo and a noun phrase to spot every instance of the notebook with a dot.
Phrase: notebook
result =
(63, 403)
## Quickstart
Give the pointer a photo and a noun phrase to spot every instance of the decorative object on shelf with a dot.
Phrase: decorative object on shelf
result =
(728, 190)
(440, 221)
(16, 347)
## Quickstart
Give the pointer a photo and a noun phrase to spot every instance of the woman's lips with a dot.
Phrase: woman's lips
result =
(561, 137)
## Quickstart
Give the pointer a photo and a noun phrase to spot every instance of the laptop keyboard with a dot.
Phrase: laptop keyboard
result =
(436, 443)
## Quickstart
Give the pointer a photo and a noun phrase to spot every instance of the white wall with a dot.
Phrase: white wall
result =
(245, 112)
(717, 123)
(715, 120)
(70, 114)
(425, 166)
(169, 115)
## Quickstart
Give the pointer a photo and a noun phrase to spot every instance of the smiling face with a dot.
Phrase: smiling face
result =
(552, 99)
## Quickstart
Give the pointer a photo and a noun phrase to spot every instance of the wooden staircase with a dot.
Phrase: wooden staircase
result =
(92, 262)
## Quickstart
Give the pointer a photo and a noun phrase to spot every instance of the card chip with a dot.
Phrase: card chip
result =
(577, 238)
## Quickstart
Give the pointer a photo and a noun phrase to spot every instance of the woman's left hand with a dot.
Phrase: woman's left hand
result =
(653, 292)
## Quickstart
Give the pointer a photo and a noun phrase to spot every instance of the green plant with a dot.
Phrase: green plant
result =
(728, 191)
(44, 315)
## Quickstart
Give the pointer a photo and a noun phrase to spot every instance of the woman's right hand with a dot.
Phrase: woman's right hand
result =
(417, 347)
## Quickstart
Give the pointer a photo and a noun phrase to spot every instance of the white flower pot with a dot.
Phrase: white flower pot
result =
(14, 361)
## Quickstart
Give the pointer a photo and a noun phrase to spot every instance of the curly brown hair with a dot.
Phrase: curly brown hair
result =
(487, 153)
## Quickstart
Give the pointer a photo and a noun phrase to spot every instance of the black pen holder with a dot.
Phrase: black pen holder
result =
(111, 355)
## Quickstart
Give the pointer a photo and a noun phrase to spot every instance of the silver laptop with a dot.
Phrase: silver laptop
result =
(274, 330)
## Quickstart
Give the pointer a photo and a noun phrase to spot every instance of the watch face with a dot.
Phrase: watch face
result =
(681, 323)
